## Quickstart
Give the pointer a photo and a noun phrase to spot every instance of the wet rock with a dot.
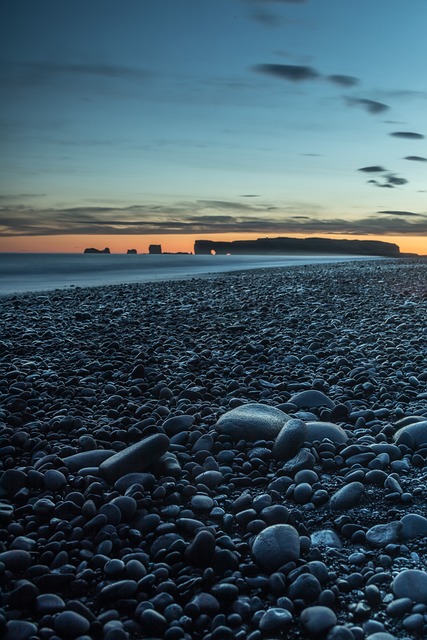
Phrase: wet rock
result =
(290, 439)
(251, 422)
(311, 399)
(411, 583)
(317, 621)
(380, 535)
(347, 497)
(321, 430)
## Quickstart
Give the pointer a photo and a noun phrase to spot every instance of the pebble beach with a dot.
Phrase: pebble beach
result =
(239, 457)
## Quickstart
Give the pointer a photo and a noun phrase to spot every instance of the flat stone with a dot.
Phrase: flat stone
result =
(135, 458)
(411, 583)
(381, 535)
(252, 422)
(176, 424)
(275, 546)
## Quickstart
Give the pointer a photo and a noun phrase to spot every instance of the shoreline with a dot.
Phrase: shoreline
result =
(48, 272)
(183, 546)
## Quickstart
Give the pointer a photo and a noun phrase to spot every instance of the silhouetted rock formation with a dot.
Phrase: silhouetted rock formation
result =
(155, 248)
(132, 251)
(92, 250)
(298, 245)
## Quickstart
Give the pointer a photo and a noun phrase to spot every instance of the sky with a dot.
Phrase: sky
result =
(133, 122)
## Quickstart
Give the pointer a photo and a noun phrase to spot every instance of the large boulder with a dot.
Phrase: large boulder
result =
(251, 422)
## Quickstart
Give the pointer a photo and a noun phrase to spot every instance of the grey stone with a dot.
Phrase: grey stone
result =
(87, 459)
(413, 525)
(413, 435)
(274, 620)
(321, 430)
(275, 546)
(411, 583)
(290, 439)
(311, 398)
(135, 458)
(380, 535)
(252, 422)
(347, 497)
(70, 624)
(317, 620)
(326, 538)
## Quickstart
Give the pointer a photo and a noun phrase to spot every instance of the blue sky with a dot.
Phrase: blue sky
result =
(201, 116)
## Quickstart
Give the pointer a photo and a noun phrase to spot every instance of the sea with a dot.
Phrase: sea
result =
(33, 272)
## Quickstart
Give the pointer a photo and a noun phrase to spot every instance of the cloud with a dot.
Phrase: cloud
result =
(294, 73)
(249, 195)
(197, 217)
(375, 168)
(403, 213)
(416, 158)
(409, 135)
(390, 181)
(371, 106)
(343, 81)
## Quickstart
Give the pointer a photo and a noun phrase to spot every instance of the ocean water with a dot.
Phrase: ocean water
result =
(26, 272)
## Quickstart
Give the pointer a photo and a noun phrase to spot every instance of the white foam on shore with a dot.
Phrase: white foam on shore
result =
(21, 272)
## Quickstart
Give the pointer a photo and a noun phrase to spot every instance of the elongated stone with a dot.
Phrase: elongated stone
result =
(135, 458)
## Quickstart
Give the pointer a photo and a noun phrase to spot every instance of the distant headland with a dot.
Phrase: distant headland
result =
(92, 250)
(263, 246)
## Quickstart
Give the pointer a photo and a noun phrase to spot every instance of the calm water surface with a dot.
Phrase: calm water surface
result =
(23, 272)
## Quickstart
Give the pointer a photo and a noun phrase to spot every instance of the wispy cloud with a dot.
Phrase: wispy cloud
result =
(416, 158)
(199, 217)
(409, 135)
(390, 181)
(409, 214)
(292, 72)
(343, 81)
(371, 106)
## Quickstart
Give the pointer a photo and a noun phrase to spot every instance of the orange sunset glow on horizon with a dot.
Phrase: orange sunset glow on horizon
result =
(170, 243)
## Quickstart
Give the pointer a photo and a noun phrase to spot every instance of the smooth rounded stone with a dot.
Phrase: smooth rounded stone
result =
(275, 546)
(381, 635)
(347, 497)
(87, 459)
(70, 624)
(413, 435)
(12, 480)
(19, 630)
(321, 430)
(54, 480)
(290, 439)
(6, 513)
(339, 632)
(201, 551)
(146, 480)
(411, 583)
(326, 538)
(16, 560)
(397, 608)
(311, 399)
(413, 525)
(317, 620)
(135, 458)
(210, 479)
(176, 424)
(201, 502)
(380, 535)
(251, 422)
(49, 603)
(275, 620)
(206, 602)
(119, 590)
(306, 587)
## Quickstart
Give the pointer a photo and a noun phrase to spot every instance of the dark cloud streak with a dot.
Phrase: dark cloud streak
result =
(294, 73)
(371, 106)
(409, 135)
(343, 81)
